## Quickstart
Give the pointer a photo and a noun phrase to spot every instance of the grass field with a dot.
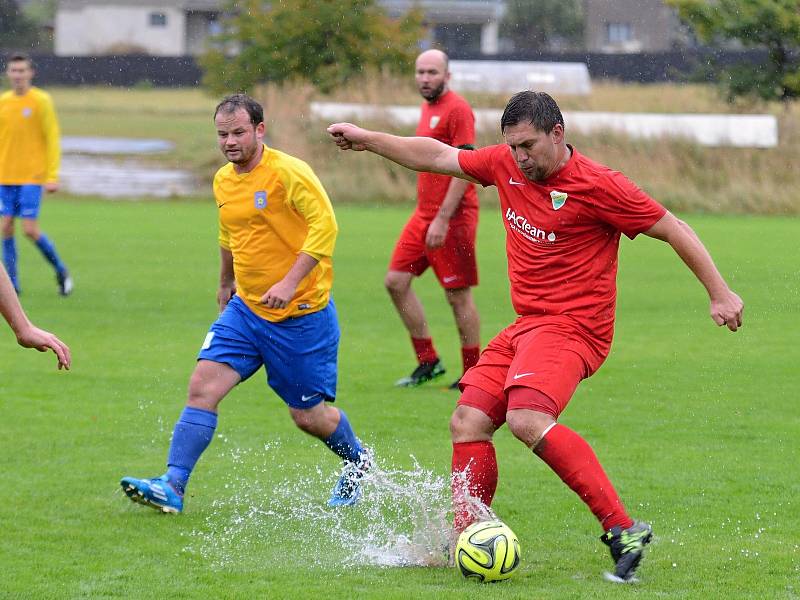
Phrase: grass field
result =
(697, 426)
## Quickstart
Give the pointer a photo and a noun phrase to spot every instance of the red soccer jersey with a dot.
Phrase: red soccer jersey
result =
(562, 234)
(448, 119)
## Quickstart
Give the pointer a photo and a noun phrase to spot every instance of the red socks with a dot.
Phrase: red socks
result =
(469, 356)
(426, 353)
(574, 461)
(474, 471)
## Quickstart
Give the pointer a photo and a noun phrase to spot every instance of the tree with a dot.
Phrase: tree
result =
(770, 24)
(325, 42)
(536, 24)
(16, 30)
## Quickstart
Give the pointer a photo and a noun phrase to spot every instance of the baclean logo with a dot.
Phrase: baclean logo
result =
(558, 199)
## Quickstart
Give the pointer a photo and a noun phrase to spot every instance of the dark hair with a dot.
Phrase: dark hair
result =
(19, 56)
(234, 102)
(537, 108)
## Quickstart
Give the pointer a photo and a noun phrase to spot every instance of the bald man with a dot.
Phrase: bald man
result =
(441, 231)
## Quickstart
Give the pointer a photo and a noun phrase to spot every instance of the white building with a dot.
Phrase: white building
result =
(181, 27)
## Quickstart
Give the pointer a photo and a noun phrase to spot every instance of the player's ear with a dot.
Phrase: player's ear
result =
(260, 129)
(557, 133)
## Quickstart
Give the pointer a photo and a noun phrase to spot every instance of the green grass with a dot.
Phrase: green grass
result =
(697, 426)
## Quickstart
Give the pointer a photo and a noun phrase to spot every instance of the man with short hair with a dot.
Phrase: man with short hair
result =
(277, 232)
(564, 215)
(28, 335)
(29, 160)
(441, 231)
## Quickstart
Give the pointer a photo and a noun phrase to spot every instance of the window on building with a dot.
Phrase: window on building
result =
(158, 19)
(464, 37)
(619, 33)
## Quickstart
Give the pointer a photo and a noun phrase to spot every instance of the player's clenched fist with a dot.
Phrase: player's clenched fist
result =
(348, 136)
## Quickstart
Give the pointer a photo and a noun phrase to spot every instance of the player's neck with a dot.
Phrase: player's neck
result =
(563, 159)
(252, 163)
(22, 90)
(444, 93)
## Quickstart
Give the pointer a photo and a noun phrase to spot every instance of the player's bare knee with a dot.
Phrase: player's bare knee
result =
(458, 299)
(7, 228)
(309, 421)
(470, 425)
(528, 425)
(302, 419)
(394, 285)
(202, 393)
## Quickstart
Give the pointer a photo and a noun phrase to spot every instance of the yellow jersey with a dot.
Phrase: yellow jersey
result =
(30, 150)
(266, 218)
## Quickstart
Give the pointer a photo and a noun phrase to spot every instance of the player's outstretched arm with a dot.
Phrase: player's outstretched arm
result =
(726, 306)
(416, 153)
(28, 335)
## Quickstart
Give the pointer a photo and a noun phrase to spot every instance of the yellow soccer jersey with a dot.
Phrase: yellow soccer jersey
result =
(266, 218)
(30, 149)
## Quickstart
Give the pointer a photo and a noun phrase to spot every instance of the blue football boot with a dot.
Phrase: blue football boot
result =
(348, 489)
(156, 493)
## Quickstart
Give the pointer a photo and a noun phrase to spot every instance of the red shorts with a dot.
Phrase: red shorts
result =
(548, 354)
(454, 263)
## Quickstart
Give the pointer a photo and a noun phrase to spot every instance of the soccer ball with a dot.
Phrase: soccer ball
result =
(487, 551)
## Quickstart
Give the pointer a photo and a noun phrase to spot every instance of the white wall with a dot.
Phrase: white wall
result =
(742, 131)
(92, 30)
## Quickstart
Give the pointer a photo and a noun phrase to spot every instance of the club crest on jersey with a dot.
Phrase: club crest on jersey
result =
(27, 112)
(434, 121)
(558, 199)
(261, 199)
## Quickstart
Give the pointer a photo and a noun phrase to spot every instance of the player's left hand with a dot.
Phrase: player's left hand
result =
(51, 187)
(41, 340)
(727, 310)
(437, 232)
(278, 296)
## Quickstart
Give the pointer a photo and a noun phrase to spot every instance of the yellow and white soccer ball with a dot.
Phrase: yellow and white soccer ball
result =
(487, 551)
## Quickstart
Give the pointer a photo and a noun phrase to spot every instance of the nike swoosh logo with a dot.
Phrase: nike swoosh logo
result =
(221, 205)
(521, 375)
(449, 279)
(512, 182)
(305, 398)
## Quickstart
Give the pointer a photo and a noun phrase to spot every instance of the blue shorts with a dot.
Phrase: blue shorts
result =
(299, 354)
(21, 201)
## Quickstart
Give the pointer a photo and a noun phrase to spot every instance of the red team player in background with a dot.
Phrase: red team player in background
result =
(441, 232)
(564, 215)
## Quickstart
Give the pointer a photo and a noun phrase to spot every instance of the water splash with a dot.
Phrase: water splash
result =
(402, 519)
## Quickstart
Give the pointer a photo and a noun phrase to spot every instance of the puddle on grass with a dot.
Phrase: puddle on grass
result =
(104, 167)
(122, 178)
(403, 518)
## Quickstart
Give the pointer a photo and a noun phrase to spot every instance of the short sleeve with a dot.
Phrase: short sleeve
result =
(307, 196)
(478, 164)
(224, 236)
(622, 204)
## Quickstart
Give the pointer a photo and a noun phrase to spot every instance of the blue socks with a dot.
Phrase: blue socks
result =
(49, 251)
(195, 429)
(10, 259)
(192, 434)
(343, 441)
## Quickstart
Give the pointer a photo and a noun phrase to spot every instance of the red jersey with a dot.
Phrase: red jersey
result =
(562, 234)
(448, 119)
